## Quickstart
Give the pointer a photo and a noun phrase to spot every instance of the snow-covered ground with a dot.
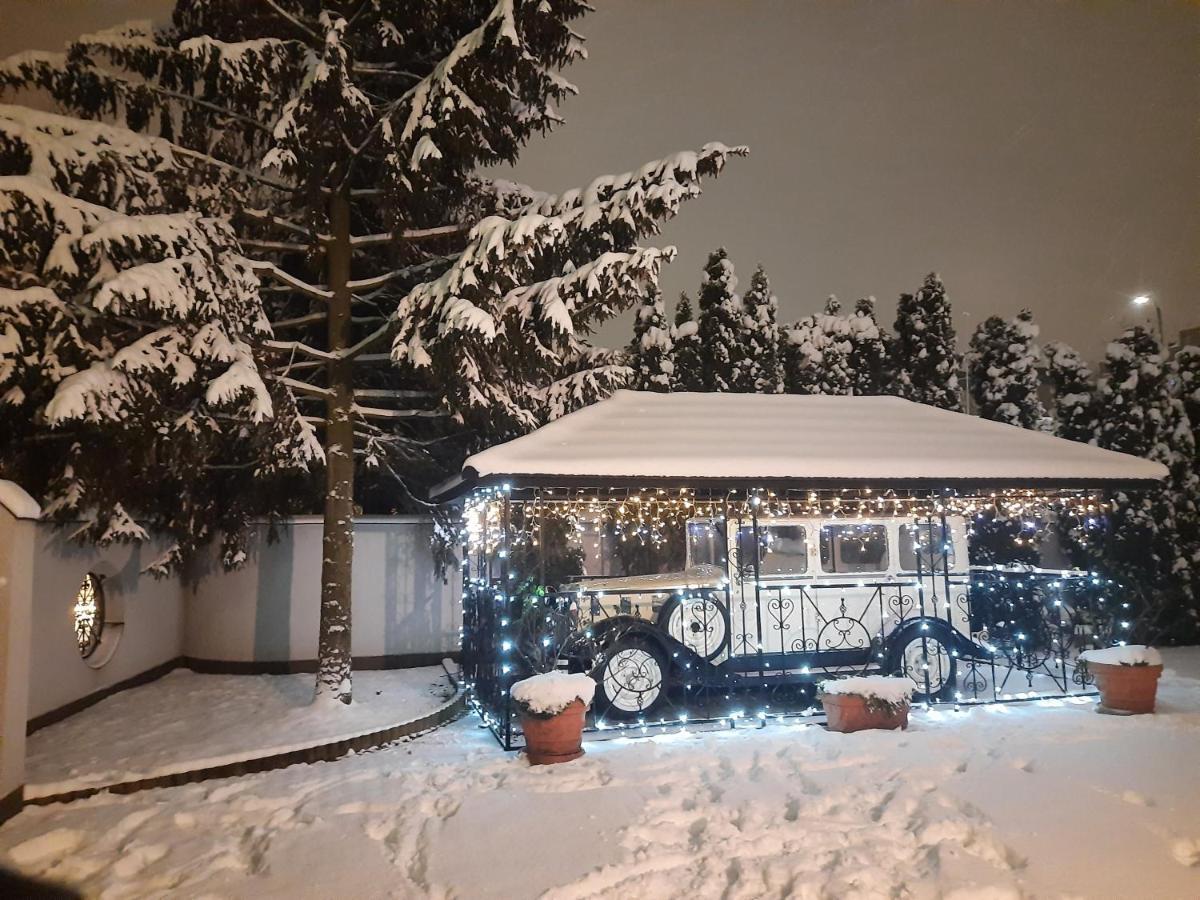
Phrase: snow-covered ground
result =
(185, 721)
(1046, 799)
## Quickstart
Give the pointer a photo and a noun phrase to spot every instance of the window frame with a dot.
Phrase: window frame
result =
(835, 554)
(764, 532)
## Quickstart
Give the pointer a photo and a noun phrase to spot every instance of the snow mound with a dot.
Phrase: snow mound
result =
(1129, 655)
(552, 692)
(880, 687)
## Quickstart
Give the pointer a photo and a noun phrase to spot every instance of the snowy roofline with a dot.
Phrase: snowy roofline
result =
(645, 439)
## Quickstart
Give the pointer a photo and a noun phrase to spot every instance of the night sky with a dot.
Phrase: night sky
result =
(1035, 153)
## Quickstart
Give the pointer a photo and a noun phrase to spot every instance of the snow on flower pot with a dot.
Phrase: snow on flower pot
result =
(1126, 676)
(552, 706)
(875, 701)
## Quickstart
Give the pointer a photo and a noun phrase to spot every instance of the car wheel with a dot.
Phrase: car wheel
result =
(700, 624)
(631, 680)
(926, 658)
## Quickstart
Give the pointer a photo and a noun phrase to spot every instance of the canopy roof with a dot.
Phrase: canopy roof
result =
(637, 438)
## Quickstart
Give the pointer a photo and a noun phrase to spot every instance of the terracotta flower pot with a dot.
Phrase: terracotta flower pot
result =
(558, 739)
(849, 712)
(1127, 689)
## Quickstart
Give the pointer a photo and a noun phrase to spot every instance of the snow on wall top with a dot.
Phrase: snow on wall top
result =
(640, 434)
(14, 498)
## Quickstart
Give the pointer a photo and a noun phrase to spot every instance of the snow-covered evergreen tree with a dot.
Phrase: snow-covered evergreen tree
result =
(870, 356)
(926, 361)
(1075, 413)
(688, 373)
(1004, 367)
(415, 304)
(134, 390)
(720, 325)
(1187, 364)
(651, 352)
(818, 353)
(760, 310)
(1154, 541)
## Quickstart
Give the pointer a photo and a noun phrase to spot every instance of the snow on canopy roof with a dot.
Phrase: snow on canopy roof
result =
(645, 436)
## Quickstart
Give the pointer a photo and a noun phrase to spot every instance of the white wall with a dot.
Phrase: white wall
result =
(269, 609)
(265, 612)
(152, 610)
(16, 590)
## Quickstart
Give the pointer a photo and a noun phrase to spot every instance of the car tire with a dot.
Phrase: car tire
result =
(928, 659)
(631, 680)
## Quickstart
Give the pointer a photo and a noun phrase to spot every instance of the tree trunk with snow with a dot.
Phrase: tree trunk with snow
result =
(337, 540)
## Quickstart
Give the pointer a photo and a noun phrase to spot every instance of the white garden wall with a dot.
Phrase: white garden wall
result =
(17, 530)
(267, 611)
(262, 617)
(151, 610)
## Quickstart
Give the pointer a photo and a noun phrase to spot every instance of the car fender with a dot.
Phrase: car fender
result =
(930, 626)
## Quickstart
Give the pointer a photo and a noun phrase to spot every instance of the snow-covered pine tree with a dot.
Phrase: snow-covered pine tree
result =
(417, 305)
(1187, 364)
(760, 311)
(1076, 418)
(133, 383)
(688, 373)
(1070, 377)
(720, 325)
(1153, 545)
(926, 361)
(651, 352)
(817, 353)
(870, 356)
(1004, 365)
(1004, 381)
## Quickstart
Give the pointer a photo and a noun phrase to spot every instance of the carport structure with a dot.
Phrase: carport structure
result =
(713, 556)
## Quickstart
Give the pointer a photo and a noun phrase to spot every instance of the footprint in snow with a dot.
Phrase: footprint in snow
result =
(1186, 851)
(1136, 799)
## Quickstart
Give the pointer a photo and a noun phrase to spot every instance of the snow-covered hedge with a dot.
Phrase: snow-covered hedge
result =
(548, 694)
(1129, 655)
(881, 692)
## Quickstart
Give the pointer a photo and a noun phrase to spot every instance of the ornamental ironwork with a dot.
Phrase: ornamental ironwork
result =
(88, 614)
(717, 632)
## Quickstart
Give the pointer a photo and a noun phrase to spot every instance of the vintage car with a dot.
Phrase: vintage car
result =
(787, 598)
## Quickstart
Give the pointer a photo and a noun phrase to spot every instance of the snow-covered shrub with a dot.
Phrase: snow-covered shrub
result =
(549, 693)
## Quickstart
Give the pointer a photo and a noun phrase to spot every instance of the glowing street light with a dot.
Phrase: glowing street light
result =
(1146, 299)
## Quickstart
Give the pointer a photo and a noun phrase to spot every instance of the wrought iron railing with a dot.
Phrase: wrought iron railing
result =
(756, 651)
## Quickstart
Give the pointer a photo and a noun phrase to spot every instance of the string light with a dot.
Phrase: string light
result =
(503, 525)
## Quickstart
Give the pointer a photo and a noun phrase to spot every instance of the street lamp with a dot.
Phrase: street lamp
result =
(1143, 300)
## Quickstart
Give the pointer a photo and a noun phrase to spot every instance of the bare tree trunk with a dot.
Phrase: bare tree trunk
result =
(333, 649)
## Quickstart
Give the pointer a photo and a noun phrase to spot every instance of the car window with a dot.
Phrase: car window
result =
(783, 550)
(854, 548)
(704, 543)
(926, 538)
